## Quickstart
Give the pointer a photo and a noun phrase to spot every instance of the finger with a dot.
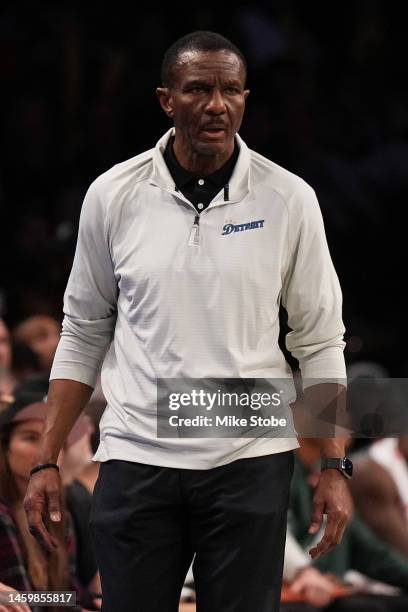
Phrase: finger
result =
(317, 517)
(330, 532)
(45, 539)
(34, 508)
(54, 505)
(36, 525)
(321, 548)
(339, 533)
(37, 528)
(341, 527)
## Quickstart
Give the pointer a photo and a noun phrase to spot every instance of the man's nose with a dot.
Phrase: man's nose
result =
(215, 104)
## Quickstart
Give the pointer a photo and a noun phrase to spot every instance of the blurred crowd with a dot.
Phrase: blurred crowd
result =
(367, 572)
(26, 356)
(328, 102)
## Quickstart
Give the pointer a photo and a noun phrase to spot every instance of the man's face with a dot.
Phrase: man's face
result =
(206, 101)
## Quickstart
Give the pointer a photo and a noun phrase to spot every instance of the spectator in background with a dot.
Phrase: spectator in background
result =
(315, 588)
(380, 481)
(5, 346)
(24, 565)
(41, 333)
(77, 454)
(25, 362)
(4, 592)
(368, 402)
(380, 490)
(88, 476)
(360, 551)
(6, 380)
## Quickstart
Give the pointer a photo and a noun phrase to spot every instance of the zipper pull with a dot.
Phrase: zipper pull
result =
(195, 232)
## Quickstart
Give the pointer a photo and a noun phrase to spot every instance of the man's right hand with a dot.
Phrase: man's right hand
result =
(65, 401)
(43, 500)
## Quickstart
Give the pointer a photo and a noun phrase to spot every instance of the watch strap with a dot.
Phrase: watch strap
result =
(343, 464)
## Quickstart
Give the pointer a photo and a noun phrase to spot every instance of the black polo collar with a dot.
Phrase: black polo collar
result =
(183, 178)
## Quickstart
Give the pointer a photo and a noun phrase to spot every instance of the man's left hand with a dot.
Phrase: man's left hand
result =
(331, 497)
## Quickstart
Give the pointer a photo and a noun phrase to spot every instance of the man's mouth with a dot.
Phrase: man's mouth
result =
(213, 128)
(213, 131)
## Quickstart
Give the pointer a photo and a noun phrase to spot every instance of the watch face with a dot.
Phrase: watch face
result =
(348, 466)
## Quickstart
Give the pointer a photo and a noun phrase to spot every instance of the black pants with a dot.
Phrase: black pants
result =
(147, 522)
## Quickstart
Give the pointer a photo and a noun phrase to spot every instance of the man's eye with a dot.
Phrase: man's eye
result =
(232, 90)
(197, 89)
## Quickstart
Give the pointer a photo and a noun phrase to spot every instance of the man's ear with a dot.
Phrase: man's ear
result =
(246, 93)
(165, 99)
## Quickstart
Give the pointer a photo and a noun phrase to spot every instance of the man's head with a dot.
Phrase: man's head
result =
(203, 76)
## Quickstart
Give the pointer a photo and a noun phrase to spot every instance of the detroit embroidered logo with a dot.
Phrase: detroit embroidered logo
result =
(230, 228)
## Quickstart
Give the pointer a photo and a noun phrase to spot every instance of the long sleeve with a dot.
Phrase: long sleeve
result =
(90, 298)
(311, 293)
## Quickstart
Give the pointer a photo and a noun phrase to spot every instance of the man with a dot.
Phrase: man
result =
(184, 254)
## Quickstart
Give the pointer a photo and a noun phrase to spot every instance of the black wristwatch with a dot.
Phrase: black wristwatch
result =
(344, 465)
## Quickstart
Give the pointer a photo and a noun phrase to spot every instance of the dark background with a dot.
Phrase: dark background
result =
(328, 102)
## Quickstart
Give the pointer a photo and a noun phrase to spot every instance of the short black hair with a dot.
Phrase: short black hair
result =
(201, 40)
